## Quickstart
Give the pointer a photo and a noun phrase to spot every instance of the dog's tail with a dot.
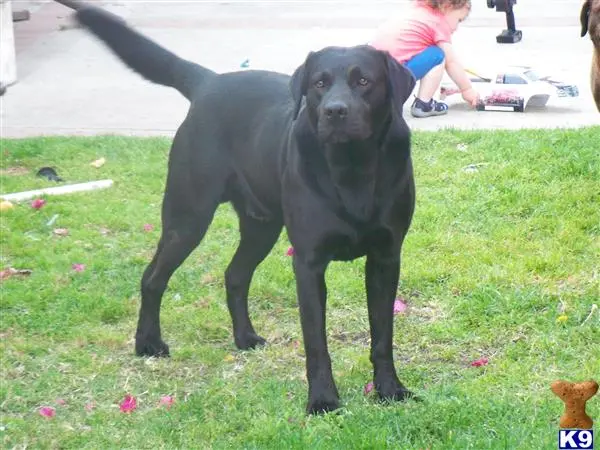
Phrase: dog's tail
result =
(141, 54)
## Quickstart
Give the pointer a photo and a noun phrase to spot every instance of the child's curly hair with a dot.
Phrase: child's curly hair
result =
(453, 4)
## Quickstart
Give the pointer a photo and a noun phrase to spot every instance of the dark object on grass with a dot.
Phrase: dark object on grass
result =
(49, 173)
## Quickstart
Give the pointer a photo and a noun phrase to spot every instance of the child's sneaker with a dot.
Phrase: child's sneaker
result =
(425, 109)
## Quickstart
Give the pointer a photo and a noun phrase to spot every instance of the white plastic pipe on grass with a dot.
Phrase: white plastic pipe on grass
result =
(58, 190)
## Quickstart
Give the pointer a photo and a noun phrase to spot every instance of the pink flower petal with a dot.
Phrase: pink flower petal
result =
(399, 306)
(38, 203)
(128, 404)
(167, 401)
(480, 362)
(47, 411)
(369, 387)
(61, 401)
(78, 267)
(290, 251)
(148, 227)
(90, 406)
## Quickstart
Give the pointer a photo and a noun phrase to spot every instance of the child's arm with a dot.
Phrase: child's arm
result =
(457, 72)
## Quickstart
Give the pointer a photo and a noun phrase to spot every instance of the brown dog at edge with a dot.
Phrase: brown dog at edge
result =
(590, 22)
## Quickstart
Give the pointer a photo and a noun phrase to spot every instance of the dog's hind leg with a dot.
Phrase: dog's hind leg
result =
(189, 205)
(178, 240)
(257, 238)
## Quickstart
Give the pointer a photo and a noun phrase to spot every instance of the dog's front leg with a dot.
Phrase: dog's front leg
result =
(312, 295)
(381, 283)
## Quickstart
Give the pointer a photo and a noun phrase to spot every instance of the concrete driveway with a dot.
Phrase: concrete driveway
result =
(69, 84)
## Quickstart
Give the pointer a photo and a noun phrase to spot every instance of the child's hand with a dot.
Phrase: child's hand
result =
(470, 96)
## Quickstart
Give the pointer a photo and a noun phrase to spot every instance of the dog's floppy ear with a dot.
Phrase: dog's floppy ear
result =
(299, 84)
(400, 80)
(585, 17)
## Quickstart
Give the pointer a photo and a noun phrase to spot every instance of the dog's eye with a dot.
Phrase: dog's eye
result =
(320, 84)
(363, 81)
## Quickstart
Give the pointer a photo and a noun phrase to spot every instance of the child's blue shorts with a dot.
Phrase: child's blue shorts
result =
(423, 62)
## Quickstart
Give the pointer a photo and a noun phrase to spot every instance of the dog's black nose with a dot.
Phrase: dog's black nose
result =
(336, 110)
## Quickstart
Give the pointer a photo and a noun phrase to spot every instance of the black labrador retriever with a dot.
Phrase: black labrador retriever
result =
(325, 153)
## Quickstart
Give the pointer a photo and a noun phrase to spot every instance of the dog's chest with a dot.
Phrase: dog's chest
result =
(349, 246)
(349, 252)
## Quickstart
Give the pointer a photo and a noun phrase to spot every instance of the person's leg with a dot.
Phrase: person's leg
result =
(430, 83)
(427, 67)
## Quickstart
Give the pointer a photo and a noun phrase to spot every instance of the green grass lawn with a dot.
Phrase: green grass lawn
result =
(505, 240)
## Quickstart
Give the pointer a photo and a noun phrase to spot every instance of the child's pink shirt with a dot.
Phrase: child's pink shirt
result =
(408, 35)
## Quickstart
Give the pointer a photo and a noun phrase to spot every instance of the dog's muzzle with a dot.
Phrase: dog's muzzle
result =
(338, 124)
(336, 111)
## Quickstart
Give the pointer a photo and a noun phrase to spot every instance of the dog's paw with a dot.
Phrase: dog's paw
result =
(249, 341)
(151, 347)
(394, 391)
(322, 405)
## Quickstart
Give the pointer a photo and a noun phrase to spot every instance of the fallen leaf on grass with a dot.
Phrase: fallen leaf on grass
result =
(399, 305)
(518, 338)
(229, 358)
(480, 362)
(5, 205)
(369, 387)
(167, 401)
(38, 203)
(128, 404)
(208, 278)
(202, 303)
(98, 163)
(61, 231)
(7, 273)
(47, 411)
(78, 267)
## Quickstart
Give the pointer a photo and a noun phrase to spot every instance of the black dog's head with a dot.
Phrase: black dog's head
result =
(350, 91)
